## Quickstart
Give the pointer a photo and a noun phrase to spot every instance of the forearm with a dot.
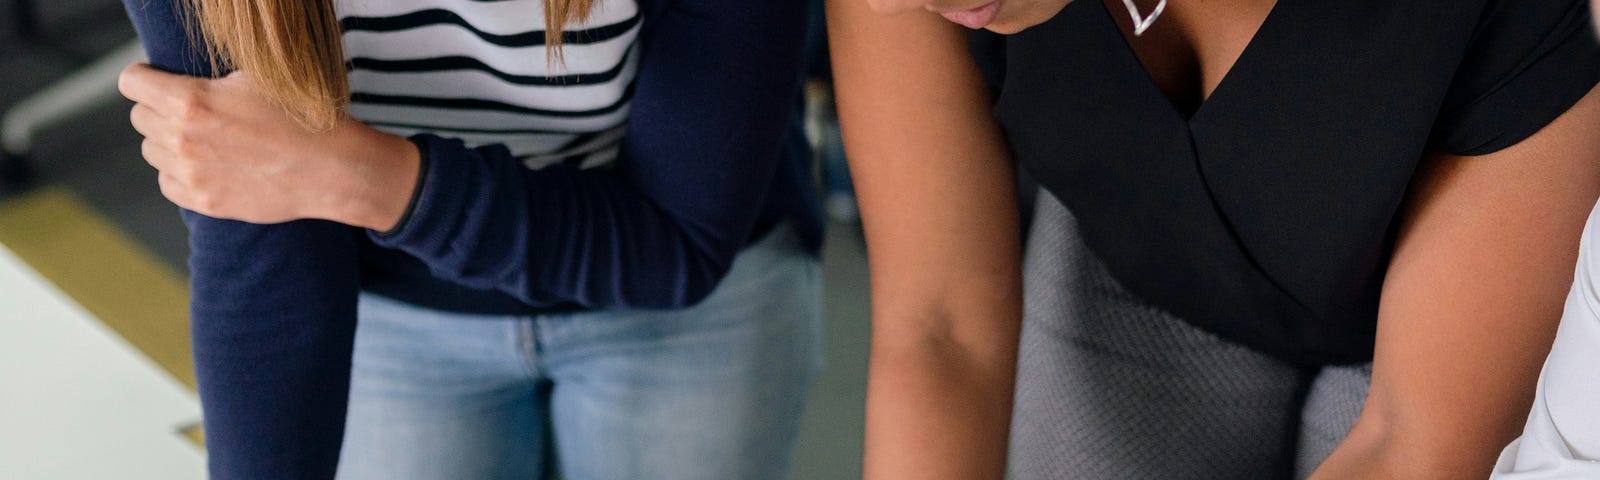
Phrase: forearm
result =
(939, 408)
(553, 236)
(1378, 449)
(272, 325)
(661, 228)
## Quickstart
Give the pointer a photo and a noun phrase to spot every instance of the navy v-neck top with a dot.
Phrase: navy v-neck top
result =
(1268, 216)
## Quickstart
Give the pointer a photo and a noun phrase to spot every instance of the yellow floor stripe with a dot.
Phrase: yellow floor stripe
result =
(194, 434)
(106, 272)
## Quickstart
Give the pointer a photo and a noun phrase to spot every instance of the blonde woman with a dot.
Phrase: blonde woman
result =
(1277, 238)
(578, 234)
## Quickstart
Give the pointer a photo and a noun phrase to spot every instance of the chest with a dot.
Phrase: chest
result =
(504, 38)
(1188, 47)
(484, 72)
(1292, 129)
(1294, 98)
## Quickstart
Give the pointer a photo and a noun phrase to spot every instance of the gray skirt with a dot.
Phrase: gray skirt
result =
(1111, 387)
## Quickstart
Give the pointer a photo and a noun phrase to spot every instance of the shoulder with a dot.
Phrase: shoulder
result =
(1523, 63)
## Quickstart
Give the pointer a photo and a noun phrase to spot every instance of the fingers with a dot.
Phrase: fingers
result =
(175, 137)
(146, 121)
(152, 89)
(157, 156)
(154, 92)
(169, 94)
(170, 109)
(174, 190)
(168, 146)
(182, 184)
(194, 194)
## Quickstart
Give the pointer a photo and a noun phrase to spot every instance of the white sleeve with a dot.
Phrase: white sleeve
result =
(1562, 438)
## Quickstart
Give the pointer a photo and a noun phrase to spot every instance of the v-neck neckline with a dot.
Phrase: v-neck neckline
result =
(1148, 82)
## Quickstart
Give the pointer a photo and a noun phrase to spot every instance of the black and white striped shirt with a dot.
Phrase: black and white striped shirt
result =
(478, 70)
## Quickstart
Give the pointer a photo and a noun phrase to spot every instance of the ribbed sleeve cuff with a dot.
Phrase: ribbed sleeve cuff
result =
(435, 200)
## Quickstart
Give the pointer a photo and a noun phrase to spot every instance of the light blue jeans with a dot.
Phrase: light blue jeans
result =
(713, 391)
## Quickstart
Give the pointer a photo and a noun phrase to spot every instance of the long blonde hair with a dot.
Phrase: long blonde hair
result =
(291, 49)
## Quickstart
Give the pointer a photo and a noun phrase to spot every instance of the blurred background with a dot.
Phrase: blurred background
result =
(96, 378)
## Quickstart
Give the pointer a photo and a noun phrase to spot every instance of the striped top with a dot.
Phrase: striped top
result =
(480, 71)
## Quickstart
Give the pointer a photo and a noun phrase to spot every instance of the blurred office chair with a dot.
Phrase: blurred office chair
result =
(89, 87)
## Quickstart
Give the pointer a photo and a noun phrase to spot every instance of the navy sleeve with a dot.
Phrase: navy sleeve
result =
(272, 317)
(716, 86)
(1529, 61)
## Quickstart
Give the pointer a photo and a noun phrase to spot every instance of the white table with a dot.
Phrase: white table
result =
(78, 402)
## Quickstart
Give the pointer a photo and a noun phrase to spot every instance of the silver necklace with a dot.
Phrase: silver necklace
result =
(1142, 22)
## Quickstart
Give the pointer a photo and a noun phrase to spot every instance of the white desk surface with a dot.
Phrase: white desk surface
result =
(78, 402)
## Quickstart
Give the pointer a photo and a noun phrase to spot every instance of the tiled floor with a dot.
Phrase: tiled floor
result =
(95, 157)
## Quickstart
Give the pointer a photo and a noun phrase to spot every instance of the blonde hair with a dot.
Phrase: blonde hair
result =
(292, 49)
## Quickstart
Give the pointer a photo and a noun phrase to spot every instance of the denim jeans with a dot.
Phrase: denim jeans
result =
(713, 391)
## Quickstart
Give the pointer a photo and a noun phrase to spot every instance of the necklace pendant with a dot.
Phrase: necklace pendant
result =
(1143, 22)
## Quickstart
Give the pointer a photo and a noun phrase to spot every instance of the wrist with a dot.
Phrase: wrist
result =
(386, 171)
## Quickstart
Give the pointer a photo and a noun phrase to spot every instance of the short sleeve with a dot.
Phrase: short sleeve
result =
(1528, 62)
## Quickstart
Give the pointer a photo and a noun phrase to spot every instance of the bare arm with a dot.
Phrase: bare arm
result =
(1483, 262)
(935, 185)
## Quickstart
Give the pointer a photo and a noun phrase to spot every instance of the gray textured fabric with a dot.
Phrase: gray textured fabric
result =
(1331, 408)
(1111, 387)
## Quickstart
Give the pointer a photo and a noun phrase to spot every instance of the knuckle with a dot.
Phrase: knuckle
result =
(195, 178)
(207, 202)
(186, 146)
(192, 106)
(182, 146)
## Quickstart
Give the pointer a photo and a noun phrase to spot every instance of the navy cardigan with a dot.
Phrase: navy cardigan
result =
(712, 158)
